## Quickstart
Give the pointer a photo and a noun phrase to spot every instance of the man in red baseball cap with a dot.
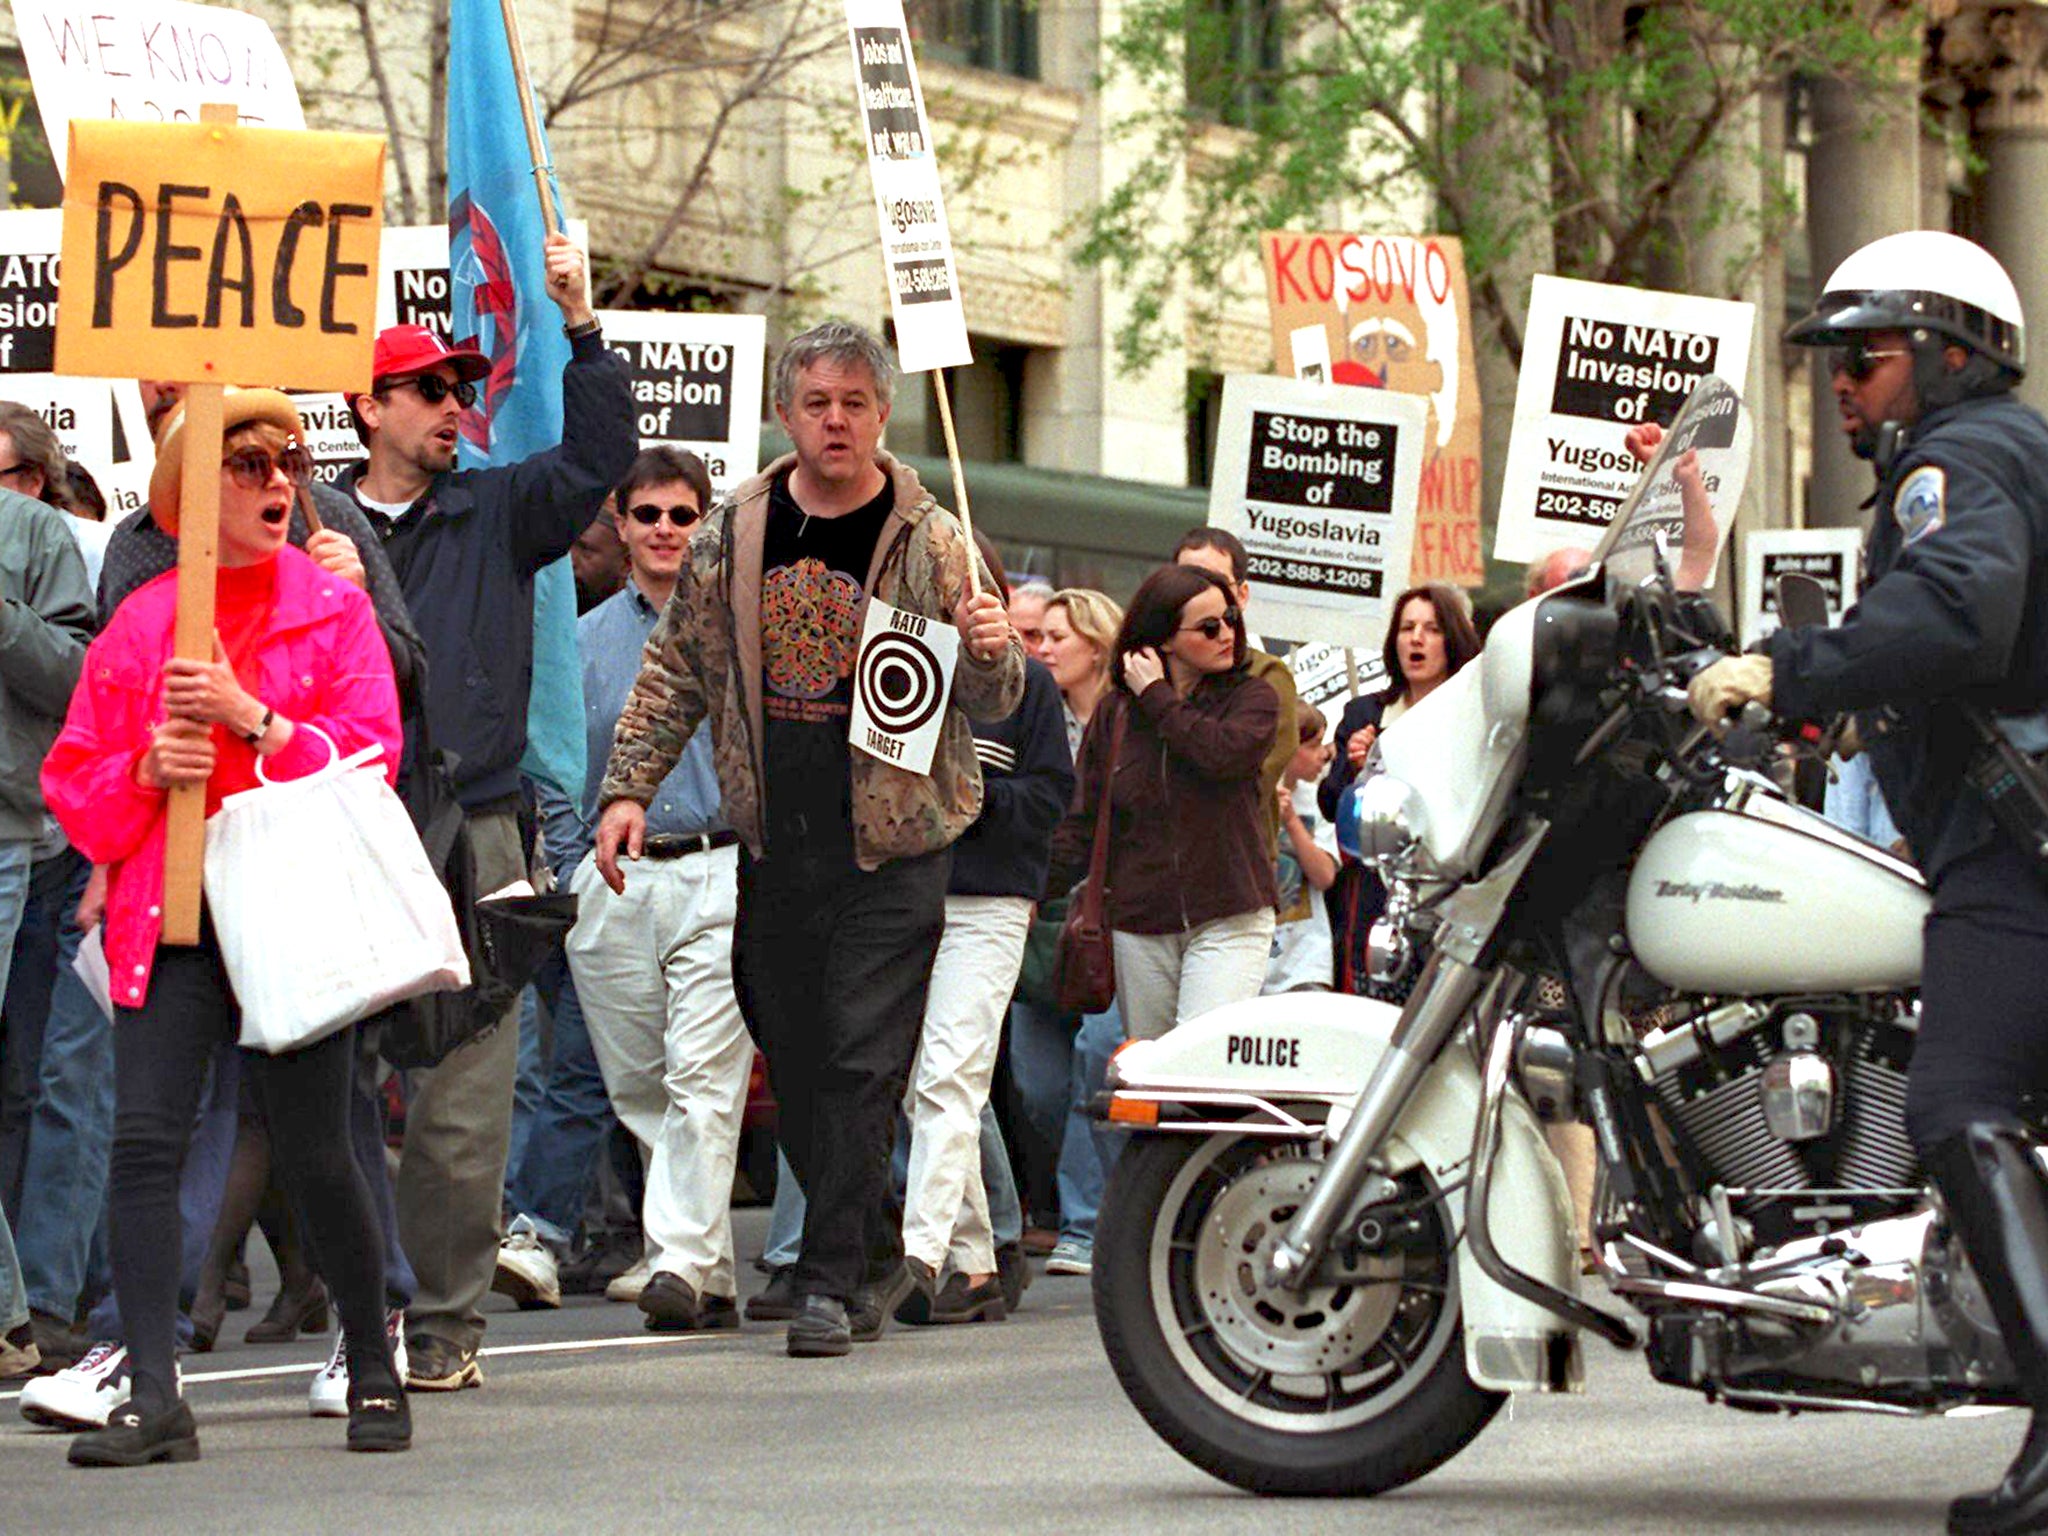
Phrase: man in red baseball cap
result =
(467, 544)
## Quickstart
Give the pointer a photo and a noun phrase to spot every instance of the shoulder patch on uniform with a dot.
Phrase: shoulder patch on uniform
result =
(1921, 505)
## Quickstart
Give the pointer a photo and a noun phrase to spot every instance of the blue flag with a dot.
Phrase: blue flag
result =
(497, 296)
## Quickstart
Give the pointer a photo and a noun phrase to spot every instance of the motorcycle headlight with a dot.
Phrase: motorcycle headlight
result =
(1378, 818)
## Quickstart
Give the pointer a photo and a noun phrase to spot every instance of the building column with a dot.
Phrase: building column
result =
(1104, 419)
(1862, 181)
(2001, 56)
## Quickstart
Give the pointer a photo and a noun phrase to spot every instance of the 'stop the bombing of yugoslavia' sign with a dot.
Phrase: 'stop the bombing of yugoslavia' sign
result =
(218, 254)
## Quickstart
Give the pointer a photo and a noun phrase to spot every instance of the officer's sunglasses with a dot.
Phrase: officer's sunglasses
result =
(252, 466)
(1212, 629)
(1860, 361)
(433, 389)
(647, 514)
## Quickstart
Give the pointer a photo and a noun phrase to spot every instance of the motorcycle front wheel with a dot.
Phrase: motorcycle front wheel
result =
(1349, 1388)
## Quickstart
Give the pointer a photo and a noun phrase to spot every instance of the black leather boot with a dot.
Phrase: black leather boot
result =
(1998, 1204)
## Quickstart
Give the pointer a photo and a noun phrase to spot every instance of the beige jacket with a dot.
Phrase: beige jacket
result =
(704, 660)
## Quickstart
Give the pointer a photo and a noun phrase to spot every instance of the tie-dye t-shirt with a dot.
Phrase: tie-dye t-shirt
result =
(812, 570)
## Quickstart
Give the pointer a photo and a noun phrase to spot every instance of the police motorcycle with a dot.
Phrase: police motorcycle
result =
(1338, 1238)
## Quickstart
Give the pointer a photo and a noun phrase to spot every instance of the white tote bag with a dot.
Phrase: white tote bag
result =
(324, 902)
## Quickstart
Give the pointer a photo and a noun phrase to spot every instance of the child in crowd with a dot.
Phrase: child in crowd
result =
(1303, 957)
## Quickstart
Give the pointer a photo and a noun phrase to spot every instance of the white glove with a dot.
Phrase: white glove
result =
(1726, 686)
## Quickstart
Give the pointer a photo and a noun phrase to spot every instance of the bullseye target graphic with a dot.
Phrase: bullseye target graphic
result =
(902, 683)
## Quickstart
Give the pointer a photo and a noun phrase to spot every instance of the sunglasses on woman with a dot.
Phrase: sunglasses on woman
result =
(1213, 629)
(252, 466)
(433, 389)
(1860, 361)
(647, 514)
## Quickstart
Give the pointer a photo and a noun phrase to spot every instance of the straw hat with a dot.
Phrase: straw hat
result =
(239, 407)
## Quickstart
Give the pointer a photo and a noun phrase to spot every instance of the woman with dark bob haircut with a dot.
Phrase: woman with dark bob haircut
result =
(1181, 740)
(1430, 638)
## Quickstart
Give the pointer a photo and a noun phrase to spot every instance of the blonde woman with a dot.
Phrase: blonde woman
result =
(1057, 1059)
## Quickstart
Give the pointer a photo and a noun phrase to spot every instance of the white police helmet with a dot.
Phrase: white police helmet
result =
(1921, 280)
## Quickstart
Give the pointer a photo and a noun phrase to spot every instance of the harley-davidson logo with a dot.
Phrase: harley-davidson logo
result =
(1697, 891)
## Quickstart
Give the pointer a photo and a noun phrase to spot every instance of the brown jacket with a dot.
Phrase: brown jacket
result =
(1187, 833)
(704, 659)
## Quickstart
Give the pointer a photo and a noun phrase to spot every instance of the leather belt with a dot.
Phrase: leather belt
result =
(676, 845)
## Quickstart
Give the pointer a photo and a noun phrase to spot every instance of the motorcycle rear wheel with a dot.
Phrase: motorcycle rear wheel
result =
(1348, 1389)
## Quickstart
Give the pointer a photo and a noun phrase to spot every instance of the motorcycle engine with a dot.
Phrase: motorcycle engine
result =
(1797, 1106)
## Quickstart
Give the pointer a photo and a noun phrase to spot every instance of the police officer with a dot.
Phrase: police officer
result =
(1928, 343)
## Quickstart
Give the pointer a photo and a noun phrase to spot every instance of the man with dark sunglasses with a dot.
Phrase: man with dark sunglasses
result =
(1949, 638)
(466, 545)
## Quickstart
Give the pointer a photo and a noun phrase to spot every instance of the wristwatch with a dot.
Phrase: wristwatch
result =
(262, 727)
(578, 332)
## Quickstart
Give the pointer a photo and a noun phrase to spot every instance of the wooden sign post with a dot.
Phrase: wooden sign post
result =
(212, 254)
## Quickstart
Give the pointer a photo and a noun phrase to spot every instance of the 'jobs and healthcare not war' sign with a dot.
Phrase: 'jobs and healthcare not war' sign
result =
(217, 254)
(1831, 556)
(150, 61)
(1392, 312)
(917, 249)
(1319, 482)
(1597, 361)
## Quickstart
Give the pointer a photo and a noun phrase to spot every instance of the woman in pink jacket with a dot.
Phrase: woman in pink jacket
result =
(295, 648)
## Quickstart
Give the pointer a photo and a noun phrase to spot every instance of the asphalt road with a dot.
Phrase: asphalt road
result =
(587, 1425)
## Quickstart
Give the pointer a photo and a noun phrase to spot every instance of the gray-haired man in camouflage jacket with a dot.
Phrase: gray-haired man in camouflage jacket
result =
(845, 857)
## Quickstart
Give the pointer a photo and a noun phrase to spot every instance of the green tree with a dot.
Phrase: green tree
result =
(1593, 131)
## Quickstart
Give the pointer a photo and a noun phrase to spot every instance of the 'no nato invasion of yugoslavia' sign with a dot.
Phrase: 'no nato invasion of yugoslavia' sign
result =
(217, 254)
(1598, 361)
(1319, 481)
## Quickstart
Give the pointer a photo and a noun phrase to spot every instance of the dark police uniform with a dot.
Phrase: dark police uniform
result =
(1955, 608)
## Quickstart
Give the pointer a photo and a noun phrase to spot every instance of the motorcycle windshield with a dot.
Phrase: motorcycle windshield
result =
(1685, 502)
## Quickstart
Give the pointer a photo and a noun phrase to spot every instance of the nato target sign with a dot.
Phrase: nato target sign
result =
(901, 680)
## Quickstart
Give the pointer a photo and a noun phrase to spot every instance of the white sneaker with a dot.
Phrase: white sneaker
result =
(526, 1269)
(85, 1395)
(328, 1398)
(627, 1287)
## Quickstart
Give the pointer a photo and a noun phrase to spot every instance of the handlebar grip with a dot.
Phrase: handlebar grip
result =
(1755, 716)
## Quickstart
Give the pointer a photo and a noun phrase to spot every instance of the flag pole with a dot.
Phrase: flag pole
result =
(521, 83)
(959, 478)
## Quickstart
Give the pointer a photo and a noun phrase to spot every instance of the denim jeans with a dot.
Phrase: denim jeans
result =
(63, 1181)
(559, 1136)
(16, 858)
(1058, 1070)
(1005, 1210)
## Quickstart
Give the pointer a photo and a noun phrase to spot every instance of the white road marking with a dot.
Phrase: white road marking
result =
(555, 1347)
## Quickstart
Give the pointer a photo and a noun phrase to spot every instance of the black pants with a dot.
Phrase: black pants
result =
(1983, 1042)
(160, 1057)
(831, 965)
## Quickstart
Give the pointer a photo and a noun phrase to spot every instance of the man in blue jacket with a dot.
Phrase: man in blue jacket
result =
(466, 545)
